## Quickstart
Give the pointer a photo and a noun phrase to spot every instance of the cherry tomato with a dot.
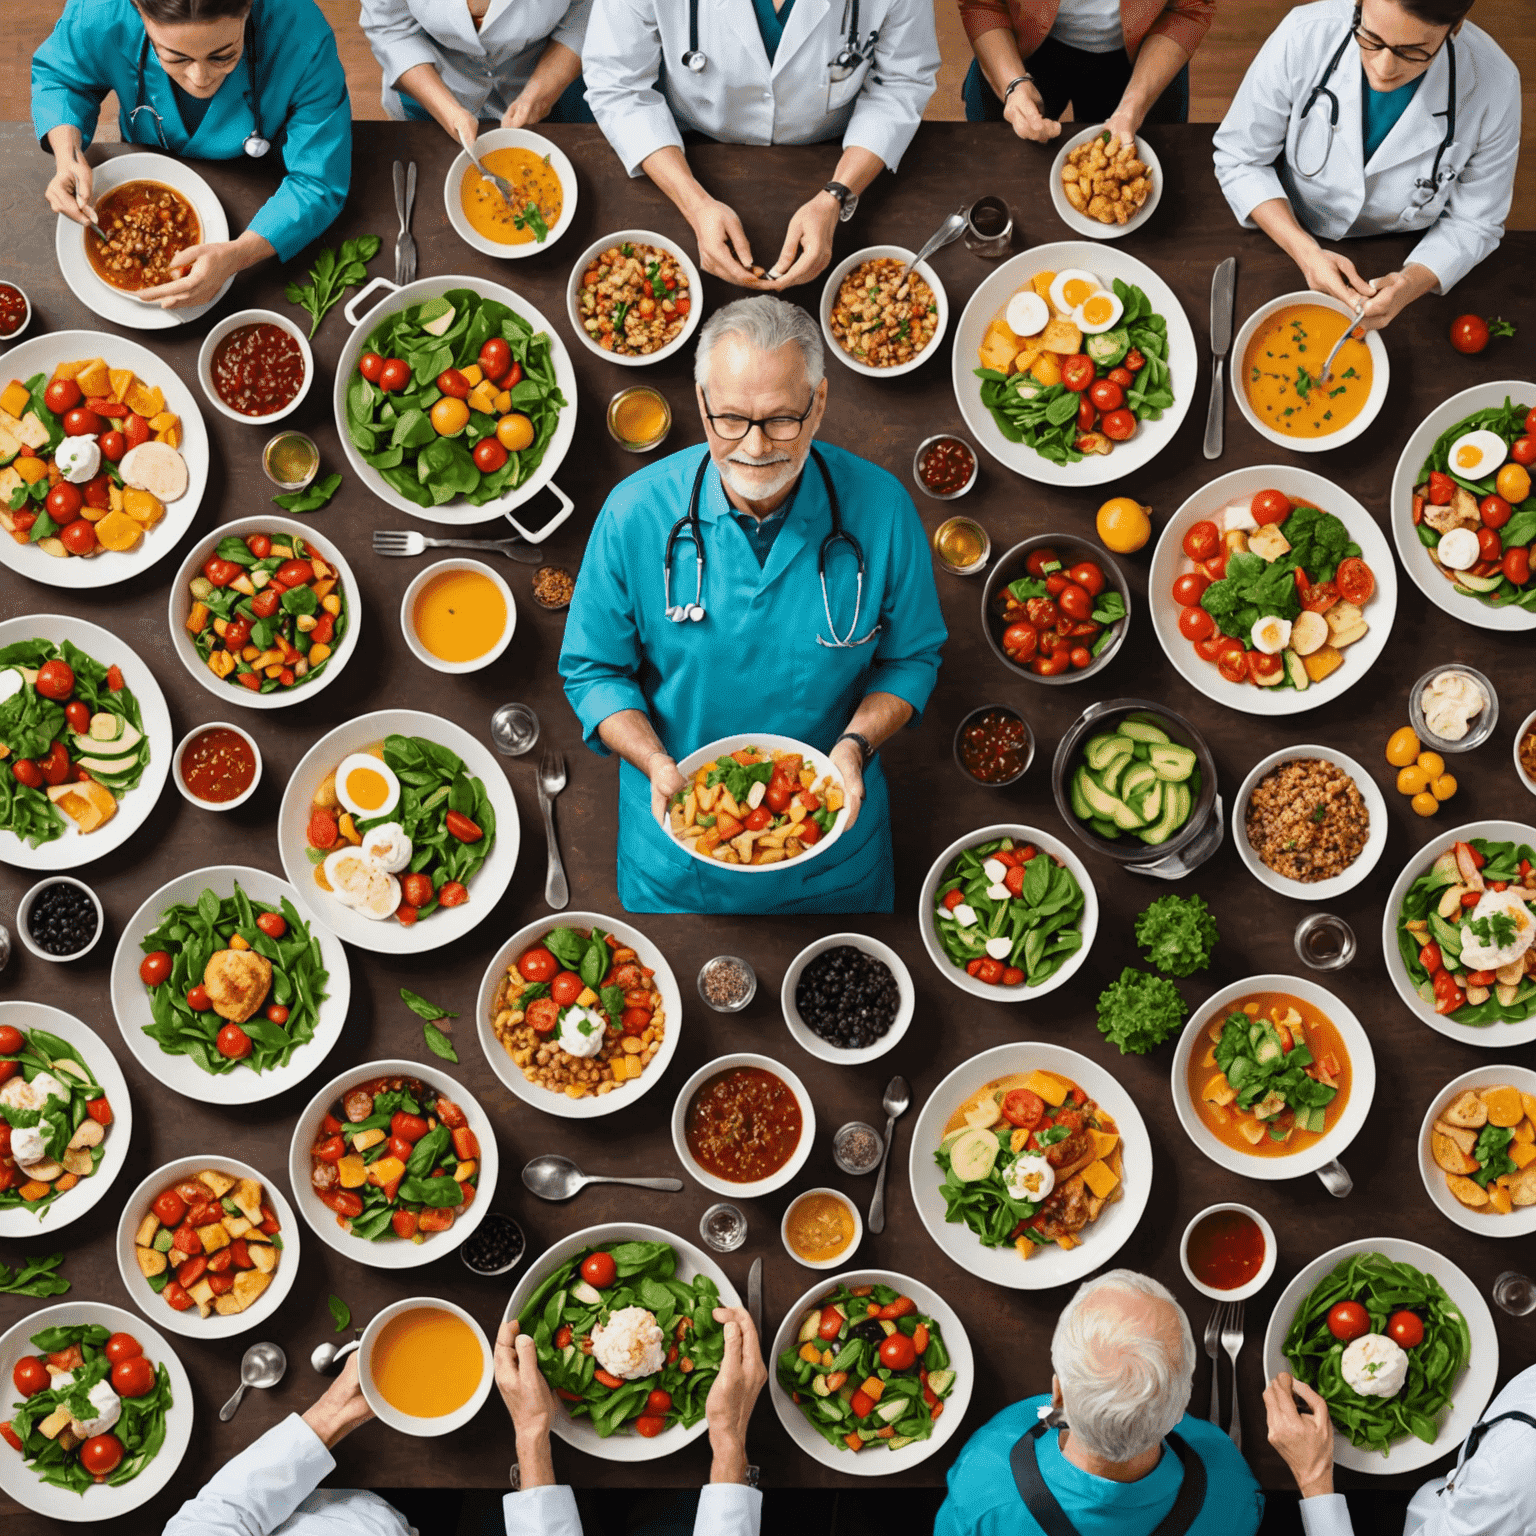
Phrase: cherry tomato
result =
(78, 537)
(898, 1353)
(1048, 666)
(1489, 547)
(1023, 1108)
(101, 1454)
(1080, 657)
(452, 894)
(82, 423)
(599, 1270)
(273, 924)
(990, 970)
(1320, 597)
(1074, 602)
(566, 988)
(25, 771)
(1202, 541)
(294, 573)
(259, 545)
(56, 765)
(1134, 361)
(55, 680)
(1262, 667)
(10, 1040)
(197, 999)
(1356, 583)
(407, 1127)
(1517, 565)
(1196, 624)
(1041, 612)
(233, 1043)
(267, 601)
(1523, 450)
(1087, 416)
(1088, 576)
(489, 455)
(370, 365)
(1494, 511)
(220, 572)
(1406, 1329)
(1020, 641)
(495, 358)
(123, 1346)
(133, 1377)
(1469, 333)
(63, 502)
(1232, 661)
(1190, 588)
(454, 384)
(1040, 559)
(155, 968)
(276, 1013)
(1119, 426)
(1077, 372)
(30, 1376)
(61, 395)
(113, 445)
(394, 375)
(1348, 1320)
(1106, 394)
(1270, 507)
(659, 1401)
(237, 633)
(537, 964)
(649, 1425)
(169, 1207)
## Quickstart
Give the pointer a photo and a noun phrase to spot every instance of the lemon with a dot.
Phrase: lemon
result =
(1425, 803)
(1402, 747)
(1124, 525)
(1412, 780)
(1432, 764)
(1443, 786)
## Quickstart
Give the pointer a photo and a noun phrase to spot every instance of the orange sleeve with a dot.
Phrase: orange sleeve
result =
(1185, 22)
(978, 16)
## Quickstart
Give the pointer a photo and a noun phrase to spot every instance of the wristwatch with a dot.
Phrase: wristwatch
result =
(846, 197)
(866, 752)
(1018, 80)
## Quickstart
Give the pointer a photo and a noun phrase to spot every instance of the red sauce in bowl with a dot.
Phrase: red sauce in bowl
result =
(258, 369)
(947, 466)
(13, 309)
(218, 765)
(995, 747)
(1226, 1250)
(743, 1124)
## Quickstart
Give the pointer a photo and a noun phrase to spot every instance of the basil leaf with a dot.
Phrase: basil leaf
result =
(341, 1312)
(422, 1008)
(439, 1043)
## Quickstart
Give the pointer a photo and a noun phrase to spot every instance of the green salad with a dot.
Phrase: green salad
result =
(70, 1115)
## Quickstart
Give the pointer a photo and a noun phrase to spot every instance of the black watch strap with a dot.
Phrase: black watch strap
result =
(847, 200)
(865, 750)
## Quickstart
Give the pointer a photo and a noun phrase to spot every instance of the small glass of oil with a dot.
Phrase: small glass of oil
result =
(639, 418)
(962, 546)
(291, 460)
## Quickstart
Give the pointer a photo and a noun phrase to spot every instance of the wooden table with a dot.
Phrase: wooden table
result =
(1010, 1330)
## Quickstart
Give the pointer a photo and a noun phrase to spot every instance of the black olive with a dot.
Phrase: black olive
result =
(869, 1329)
(848, 997)
(62, 920)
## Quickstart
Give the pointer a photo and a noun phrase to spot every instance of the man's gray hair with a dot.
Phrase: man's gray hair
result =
(1125, 1381)
(766, 323)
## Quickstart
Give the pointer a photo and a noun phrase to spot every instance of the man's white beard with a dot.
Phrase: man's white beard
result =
(756, 489)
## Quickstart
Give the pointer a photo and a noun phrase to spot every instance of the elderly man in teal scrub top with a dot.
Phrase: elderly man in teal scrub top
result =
(210, 80)
(829, 637)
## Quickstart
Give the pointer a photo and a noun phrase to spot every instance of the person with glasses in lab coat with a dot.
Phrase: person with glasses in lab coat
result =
(761, 72)
(1375, 117)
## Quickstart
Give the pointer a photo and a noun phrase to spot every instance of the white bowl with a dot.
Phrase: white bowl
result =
(389, 1252)
(486, 887)
(756, 1187)
(18, 1222)
(409, 1423)
(1381, 375)
(511, 138)
(1526, 781)
(1080, 223)
(24, 914)
(1521, 1221)
(592, 1106)
(957, 975)
(874, 1461)
(692, 1261)
(187, 740)
(1266, 1267)
(130, 997)
(823, 1048)
(1489, 1037)
(829, 301)
(408, 617)
(837, 1259)
(1169, 562)
(1367, 859)
(234, 322)
(636, 237)
(214, 1326)
(26, 319)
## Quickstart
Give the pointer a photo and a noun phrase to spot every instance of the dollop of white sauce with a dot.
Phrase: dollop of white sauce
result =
(630, 1344)
(1451, 701)
(580, 1031)
(388, 847)
(1029, 1177)
(29, 1143)
(78, 459)
(108, 1406)
(1374, 1366)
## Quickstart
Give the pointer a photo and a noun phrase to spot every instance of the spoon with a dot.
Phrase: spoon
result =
(1349, 331)
(949, 231)
(514, 730)
(502, 185)
(897, 1100)
(327, 1356)
(558, 1178)
(263, 1366)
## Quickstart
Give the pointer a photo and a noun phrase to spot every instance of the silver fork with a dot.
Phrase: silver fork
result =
(1213, 1350)
(551, 781)
(1232, 1342)
(390, 541)
(502, 185)
(405, 203)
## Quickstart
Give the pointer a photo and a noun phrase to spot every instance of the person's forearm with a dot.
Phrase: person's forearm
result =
(670, 170)
(857, 167)
(998, 54)
(333, 1423)
(729, 1464)
(879, 716)
(1157, 64)
(64, 141)
(1417, 281)
(423, 83)
(558, 66)
(1278, 220)
(251, 248)
(630, 735)
(535, 1464)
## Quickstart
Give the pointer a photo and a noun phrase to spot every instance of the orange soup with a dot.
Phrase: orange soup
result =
(537, 197)
(819, 1227)
(1281, 365)
(426, 1362)
(459, 615)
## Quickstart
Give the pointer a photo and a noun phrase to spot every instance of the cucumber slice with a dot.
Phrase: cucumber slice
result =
(972, 1156)
(1296, 672)
(1109, 780)
(105, 726)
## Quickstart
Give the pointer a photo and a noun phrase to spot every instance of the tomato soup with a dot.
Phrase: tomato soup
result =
(459, 615)
(744, 1124)
(537, 197)
(1226, 1250)
(819, 1227)
(1281, 366)
(426, 1362)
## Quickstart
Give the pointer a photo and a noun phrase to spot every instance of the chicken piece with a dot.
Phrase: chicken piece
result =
(1460, 512)
(1075, 194)
(237, 981)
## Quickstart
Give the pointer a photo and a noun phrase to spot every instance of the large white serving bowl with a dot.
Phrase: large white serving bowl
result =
(1490, 1037)
(1169, 562)
(390, 1252)
(1106, 262)
(73, 847)
(593, 1105)
(1362, 1080)
(1367, 859)
(486, 886)
(112, 303)
(108, 567)
(874, 1460)
(636, 237)
(692, 1261)
(1415, 557)
(1381, 375)
(100, 1501)
(215, 1325)
(1521, 1221)
(181, 601)
(1052, 1266)
(834, 282)
(130, 997)
(755, 1187)
(813, 1042)
(1080, 223)
(957, 974)
(409, 1423)
(510, 138)
(18, 1222)
(1473, 1388)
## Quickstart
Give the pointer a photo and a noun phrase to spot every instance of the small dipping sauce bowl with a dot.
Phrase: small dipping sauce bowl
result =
(291, 460)
(821, 1229)
(945, 466)
(15, 311)
(962, 546)
(458, 616)
(1228, 1252)
(74, 907)
(639, 418)
(218, 766)
(1479, 726)
(994, 746)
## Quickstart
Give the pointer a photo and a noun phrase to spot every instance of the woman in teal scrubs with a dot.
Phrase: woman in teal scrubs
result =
(209, 80)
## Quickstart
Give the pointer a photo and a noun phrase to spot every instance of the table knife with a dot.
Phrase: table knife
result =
(1223, 293)
(755, 1295)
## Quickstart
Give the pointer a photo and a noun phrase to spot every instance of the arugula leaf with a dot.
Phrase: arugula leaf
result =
(36, 1277)
(1492, 1152)
(439, 1043)
(422, 1008)
(1140, 1011)
(331, 276)
(531, 218)
(312, 498)
(1177, 935)
(739, 778)
(341, 1313)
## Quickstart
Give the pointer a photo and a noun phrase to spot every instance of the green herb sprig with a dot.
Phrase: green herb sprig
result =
(312, 497)
(332, 274)
(36, 1277)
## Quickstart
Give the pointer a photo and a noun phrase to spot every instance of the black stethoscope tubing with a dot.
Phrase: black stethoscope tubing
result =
(256, 143)
(848, 59)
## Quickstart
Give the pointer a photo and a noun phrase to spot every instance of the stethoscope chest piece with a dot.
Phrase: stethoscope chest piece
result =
(695, 60)
(256, 146)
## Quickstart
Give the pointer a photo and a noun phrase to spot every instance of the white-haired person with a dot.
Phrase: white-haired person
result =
(1111, 1451)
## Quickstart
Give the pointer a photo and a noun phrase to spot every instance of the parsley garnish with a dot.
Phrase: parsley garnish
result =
(531, 218)
(1496, 930)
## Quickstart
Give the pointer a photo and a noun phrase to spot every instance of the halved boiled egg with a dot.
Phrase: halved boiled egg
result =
(1028, 313)
(367, 785)
(1475, 455)
(1271, 634)
(1097, 313)
(361, 883)
(1457, 549)
(1071, 287)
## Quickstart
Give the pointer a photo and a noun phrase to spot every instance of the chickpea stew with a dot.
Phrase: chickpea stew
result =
(634, 299)
(880, 321)
(146, 223)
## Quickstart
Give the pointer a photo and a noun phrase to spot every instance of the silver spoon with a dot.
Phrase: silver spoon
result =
(897, 1100)
(514, 730)
(263, 1366)
(1349, 330)
(502, 185)
(948, 232)
(327, 1356)
(558, 1178)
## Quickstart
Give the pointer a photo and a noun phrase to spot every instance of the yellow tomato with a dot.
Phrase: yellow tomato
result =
(1432, 764)
(514, 432)
(1124, 525)
(1425, 803)
(449, 416)
(1412, 780)
(1443, 786)
(1513, 483)
(1402, 747)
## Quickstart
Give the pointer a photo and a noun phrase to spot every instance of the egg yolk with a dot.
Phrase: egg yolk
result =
(1097, 309)
(1075, 290)
(367, 787)
(1468, 457)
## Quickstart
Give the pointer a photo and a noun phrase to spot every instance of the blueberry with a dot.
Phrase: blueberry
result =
(848, 997)
(62, 920)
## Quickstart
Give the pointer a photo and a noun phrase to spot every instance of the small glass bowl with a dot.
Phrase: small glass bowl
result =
(917, 465)
(840, 1144)
(627, 444)
(1482, 724)
(290, 485)
(723, 1227)
(1029, 749)
(751, 991)
(977, 565)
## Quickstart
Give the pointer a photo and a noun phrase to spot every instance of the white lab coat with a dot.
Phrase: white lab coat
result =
(1257, 144)
(485, 70)
(644, 98)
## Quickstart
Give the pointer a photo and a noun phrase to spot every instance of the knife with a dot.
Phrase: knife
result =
(755, 1295)
(1223, 292)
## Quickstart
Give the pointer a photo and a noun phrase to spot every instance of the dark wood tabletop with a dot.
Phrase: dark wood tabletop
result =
(1009, 1330)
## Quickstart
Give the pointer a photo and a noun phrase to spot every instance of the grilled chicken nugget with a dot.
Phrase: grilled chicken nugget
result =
(237, 981)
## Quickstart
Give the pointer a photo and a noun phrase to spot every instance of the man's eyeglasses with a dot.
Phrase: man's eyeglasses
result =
(1409, 55)
(777, 429)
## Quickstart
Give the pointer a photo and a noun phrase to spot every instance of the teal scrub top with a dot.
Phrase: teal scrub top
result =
(299, 87)
(752, 663)
(1381, 110)
(771, 23)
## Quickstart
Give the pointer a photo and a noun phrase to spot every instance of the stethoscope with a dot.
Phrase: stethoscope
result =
(849, 57)
(1426, 188)
(256, 144)
(688, 527)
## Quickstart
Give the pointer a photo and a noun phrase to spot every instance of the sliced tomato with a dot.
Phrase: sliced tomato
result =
(1321, 596)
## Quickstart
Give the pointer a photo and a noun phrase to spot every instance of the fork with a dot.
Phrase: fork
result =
(1213, 1351)
(1232, 1342)
(557, 891)
(405, 244)
(502, 185)
(389, 541)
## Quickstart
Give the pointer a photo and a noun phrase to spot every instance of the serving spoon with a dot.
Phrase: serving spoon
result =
(327, 1356)
(1349, 330)
(897, 1100)
(263, 1366)
(557, 1178)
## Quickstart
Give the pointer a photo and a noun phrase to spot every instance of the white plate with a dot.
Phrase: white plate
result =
(486, 887)
(215, 1325)
(1367, 859)
(1362, 1084)
(130, 997)
(754, 1188)
(18, 1222)
(593, 1105)
(1415, 557)
(691, 1262)
(1489, 1037)
(99, 1502)
(112, 303)
(1521, 1221)
(107, 567)
(1053, 1266)
(874, 1461)
(511, 138)
(829, 302)
(73, 847)
(1080, 223)
(824, 1048)
(1020, 835)
(181, 605)
(1472, 1390)
(1169, 562)
(1106, 262)
(636, 237)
